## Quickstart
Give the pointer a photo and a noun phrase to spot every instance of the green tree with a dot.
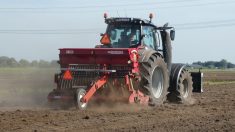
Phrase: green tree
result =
(34, 63)
(216, 64)
(223, 63)
(43, 63)
(54, 63)
(12, 62)
(3, 61)
(24, 63)
(230, 65)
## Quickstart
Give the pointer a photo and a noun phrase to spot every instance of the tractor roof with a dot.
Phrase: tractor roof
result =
(129, 20)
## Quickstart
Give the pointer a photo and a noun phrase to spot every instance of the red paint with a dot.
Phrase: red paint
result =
(97, 85)
(104, 57)
(109, 56)
(138, 97)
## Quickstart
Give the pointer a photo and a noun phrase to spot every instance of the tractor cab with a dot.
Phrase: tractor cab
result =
(124, 35)
(130, 33)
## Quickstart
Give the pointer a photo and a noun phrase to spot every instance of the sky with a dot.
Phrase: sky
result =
(36, 29)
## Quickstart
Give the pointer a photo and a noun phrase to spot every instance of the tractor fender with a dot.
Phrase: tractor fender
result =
(145, 53)
(167, 49)
(176, 69)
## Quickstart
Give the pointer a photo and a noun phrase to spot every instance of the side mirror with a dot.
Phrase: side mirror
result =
(166, 25)
(172, 35)
(142, 36)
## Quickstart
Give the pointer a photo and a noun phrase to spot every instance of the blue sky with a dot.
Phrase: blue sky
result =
(36, 29)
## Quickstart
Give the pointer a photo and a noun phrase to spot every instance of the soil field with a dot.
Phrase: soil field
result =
(23, 108)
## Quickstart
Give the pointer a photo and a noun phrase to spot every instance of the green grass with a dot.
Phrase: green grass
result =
(213, 70)
(26, 70)
(218, 82)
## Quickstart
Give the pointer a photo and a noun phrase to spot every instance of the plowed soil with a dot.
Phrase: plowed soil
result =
(213, 110)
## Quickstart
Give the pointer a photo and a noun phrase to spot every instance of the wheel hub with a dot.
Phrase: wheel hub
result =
(82, 104)
(185, 89)
(157, 82)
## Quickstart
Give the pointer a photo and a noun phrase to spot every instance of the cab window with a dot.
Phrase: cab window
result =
(149, 38)
(124, 35)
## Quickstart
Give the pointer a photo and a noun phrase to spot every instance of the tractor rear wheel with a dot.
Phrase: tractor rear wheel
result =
(154, 79)
(79, 94)
(183, 91)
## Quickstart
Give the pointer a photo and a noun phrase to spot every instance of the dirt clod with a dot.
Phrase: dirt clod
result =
(86, 117)
(18, 110)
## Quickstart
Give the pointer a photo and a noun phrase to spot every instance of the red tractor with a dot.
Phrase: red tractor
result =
(135, 55)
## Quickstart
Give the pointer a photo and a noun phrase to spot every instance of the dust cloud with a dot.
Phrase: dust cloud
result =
(28, 89)
(25, 88)
(114, 99)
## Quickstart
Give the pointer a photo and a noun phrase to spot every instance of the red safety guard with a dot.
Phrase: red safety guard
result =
(94, 88)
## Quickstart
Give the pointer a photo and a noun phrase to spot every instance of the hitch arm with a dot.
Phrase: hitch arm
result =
(97, 85)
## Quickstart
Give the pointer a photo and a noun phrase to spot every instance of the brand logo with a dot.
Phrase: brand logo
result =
(115, 52)
(69, 51)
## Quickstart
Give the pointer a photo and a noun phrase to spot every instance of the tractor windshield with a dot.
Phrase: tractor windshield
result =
(124, 35)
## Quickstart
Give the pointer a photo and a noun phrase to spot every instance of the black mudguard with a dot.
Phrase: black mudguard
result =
(197, 81)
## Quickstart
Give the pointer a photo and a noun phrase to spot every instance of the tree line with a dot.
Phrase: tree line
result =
(12, 62)
(223, 64)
